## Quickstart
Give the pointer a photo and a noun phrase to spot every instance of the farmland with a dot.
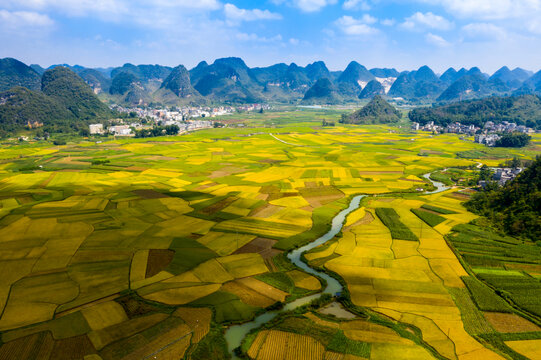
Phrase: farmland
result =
(157, 250)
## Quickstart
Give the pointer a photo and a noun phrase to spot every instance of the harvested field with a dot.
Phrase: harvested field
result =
(263, 288)
(37, 346)
(510, 323)
(158, 260)
(279, 345)
(198, 319)
(260, 246)
(149, 194)
(247, 295)
(73, 348)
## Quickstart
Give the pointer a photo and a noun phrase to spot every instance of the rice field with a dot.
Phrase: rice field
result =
(173, 238)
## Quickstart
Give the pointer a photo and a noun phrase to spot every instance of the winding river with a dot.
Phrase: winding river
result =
(236, 333)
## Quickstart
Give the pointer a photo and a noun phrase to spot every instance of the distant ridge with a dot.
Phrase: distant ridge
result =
(231, 81)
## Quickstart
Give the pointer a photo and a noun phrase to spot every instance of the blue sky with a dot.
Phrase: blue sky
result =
(404, 34)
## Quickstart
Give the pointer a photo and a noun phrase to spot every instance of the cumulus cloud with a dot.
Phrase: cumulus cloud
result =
(388, 22)
(119, 10)
(490, 9)
(24, 20)
(483, 31)
(436, 40)
(294, 41)
(535, 26)
(419, 21)
(306, 5)
(234, 14)
(257, 38)
(355, 27)
(82, 7)
(356, 5)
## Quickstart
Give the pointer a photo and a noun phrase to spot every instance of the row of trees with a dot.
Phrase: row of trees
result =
(157, 131)
(515, 140)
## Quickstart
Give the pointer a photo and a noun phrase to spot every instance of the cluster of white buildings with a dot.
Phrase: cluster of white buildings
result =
(487, 136)
(502, 175)
(507, 127)
(455, 128)
(127, 130)
(487, 139)
(429, 126)
(191, 125)
(187, 118)
(117, 130)
(180, 114)
(491, 131)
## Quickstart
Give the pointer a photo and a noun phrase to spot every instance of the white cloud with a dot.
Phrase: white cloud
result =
(483, 31)
(24, 20)
(234, 14)
(114, 9)
(490, 9)
(436, 40)
(294, 41)
(388, 22)
(354, 27)
(419, 21)
(306, 5)
(356, 5)
(534, 26)
(256, 38)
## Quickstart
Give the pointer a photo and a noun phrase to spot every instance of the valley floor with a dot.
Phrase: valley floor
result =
(138, 248)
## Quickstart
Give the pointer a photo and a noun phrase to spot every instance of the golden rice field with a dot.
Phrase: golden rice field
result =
(157, 250)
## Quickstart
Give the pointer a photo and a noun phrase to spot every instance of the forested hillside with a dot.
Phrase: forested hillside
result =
(516, 207)
(523, 110)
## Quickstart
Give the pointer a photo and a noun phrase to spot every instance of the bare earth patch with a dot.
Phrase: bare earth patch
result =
(367, 219)
(158, 260)
(149, 194)
(261, 246)
(510, 323)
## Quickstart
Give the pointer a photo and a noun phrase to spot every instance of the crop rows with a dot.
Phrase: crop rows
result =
(428, 217)
(399, 231)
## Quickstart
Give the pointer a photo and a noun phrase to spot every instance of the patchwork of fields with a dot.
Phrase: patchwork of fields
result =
(138, 248)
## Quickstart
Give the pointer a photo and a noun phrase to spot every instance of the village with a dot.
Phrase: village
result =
(488, 135)
(186, 119)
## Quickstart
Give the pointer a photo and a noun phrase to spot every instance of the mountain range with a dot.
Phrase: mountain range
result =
(231, 81)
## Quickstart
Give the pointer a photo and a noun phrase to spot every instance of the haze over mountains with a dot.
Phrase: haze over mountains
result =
(230, 80)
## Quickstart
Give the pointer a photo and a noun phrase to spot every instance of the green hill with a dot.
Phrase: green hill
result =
(322, 92)
(523, 110)
(179, 83)
(228, 80)
(20, 107)
(372, 89)
(67, 88)
(122, 83)
(143, 72)
(65, 104)
(422, 84)
(96, 80)
(377, 111)
(15, 73)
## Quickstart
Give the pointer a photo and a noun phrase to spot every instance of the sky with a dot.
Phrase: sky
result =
(404, 34)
